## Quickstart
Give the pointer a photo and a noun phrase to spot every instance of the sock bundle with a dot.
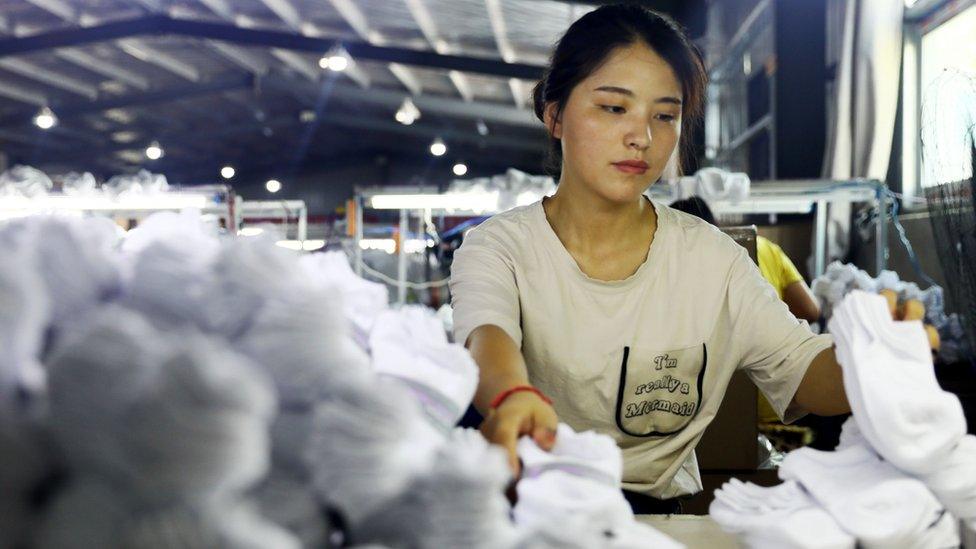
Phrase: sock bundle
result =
(891, 386)
(410, 346)
(579, 481)
(871, 499)
(903, 472)
(781, 516)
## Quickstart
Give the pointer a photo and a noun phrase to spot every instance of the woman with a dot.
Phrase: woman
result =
(631, 317)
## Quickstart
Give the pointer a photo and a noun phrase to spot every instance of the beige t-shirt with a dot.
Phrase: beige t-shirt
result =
(647, 359)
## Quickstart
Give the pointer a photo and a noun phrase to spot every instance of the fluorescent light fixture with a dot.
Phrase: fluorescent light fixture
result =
(250, 231)
(438, 147)
(45, 119)
(299, 246)
(227, 172)
(477, 202)
(154, 151)
(460, 169)
(388, 245)
(273, 185)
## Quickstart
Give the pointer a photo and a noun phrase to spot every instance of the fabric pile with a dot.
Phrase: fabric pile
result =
(578, 482)
(173, 387)
(904, 473)
(840, 279)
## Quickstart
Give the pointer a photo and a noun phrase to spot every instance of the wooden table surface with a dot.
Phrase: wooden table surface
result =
(694, 531)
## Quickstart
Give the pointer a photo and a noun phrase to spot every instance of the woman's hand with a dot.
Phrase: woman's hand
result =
(522, 413)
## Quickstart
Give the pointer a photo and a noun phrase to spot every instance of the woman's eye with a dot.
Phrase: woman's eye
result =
(613, 109)
(667, 117)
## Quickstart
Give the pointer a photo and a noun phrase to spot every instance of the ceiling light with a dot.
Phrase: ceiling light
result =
(227, 172)
(154, 151)
(273, 185)
(460, 169)
(482, 128)
(438, 148)
(45, 119)
(336, 60)
(408, 113)
(307, 116)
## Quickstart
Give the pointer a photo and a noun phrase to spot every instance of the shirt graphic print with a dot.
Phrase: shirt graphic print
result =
(659, 391)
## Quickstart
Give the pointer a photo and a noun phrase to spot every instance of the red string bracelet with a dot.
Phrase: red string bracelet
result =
(500, 397)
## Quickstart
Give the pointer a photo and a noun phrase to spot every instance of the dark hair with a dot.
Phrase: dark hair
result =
(589, 41)
(695, 206)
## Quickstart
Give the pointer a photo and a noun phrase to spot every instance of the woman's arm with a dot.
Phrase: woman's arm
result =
(502, 367)
(801, 302)
(821, 391)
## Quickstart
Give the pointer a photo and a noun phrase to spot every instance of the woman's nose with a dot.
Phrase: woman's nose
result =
(639, 139)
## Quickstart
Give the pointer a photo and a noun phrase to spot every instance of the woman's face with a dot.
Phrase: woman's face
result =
(621, 124)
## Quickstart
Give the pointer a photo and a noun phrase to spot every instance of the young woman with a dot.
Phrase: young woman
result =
(601, 309)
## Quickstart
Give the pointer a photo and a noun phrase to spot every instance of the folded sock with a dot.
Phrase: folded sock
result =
(569, 497)
(410, 345)
(955, 483)
(588, 454)
(782, 516)
(868, 497)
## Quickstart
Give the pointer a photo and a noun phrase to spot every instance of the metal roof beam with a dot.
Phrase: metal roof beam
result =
(23, 95)
(158, 24)
(497, 18)
(108, 70)
(147, 54)
(390, 99)
(418, 10)
(357, 20)
(135, 100)
(51, 78)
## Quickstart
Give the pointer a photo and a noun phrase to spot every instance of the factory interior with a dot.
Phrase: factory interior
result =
(500, 274)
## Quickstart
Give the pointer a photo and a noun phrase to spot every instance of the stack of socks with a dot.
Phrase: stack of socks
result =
(871, 499)
(783, 516)
(903, 471)
(891, 386)
(899, 409)
(579, 481)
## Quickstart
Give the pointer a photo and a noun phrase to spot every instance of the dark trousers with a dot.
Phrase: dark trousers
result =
(647, 505)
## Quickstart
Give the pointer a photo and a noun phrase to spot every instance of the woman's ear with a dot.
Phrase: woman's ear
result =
(553, 123)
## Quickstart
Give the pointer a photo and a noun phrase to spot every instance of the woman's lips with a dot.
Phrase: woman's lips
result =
(631, 166)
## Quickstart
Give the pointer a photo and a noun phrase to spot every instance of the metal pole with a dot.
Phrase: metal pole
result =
(303, 224)
(820, 242)
(402, 259)
(358, 239)
(881, 236)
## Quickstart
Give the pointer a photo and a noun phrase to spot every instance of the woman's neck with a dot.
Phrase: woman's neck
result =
(586, 222)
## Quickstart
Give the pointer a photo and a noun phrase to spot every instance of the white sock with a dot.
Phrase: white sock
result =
(955, 483)
(891, 387)
(564, 495)
(782, 516)
(411, 346)
(585, 454)
(868, 497)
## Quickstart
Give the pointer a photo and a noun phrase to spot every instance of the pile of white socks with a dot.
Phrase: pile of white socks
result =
(578, 481)
(188, 389)
(899, 408)
(904, 471)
